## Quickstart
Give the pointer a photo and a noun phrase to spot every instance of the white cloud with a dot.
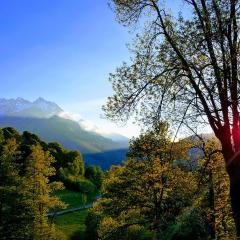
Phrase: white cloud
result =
(71, 116)
(102, 126)
(87, 113)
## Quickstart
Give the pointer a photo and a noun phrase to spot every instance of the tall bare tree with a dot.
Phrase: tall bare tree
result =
(185, 69)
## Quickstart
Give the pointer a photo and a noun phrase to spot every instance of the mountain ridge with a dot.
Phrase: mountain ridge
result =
(41, 108)
(41, 117)
(20, 107)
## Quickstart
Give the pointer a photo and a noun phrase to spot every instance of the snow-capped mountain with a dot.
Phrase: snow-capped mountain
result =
(52, 123)
(19, 107)
(41, 108)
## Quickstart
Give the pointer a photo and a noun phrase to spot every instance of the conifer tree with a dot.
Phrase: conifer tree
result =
(12, 221)
(36, 190)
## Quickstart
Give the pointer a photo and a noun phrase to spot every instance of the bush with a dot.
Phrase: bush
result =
(191, 225)
(138, 232)
(76, 183)
(85, 186)
(95, 175)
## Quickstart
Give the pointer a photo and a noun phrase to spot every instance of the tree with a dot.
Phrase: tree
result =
(13, 224)
(142, 198)
(95, 175)
(66, 162)
(185, 69)
(36, 191)
(215, 188)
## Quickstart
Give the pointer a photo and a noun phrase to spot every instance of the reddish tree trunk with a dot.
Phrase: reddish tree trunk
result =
(232, 161)
(234, 174)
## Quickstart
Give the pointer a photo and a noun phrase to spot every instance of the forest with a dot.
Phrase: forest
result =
(162, 193)
(32, 172)
(164, 189)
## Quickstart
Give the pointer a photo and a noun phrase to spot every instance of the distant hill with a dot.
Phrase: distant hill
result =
(204, 136)
(195, 153)
(66, 132)
(106, 159)
(44, 119)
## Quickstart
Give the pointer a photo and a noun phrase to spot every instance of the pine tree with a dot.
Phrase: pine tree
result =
(12, 221)
(36, 190)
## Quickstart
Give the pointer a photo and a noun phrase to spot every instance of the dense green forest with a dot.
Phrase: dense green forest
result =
(161, 191)
(31, 171)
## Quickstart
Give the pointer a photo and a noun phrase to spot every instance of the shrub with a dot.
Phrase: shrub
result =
(76, 183)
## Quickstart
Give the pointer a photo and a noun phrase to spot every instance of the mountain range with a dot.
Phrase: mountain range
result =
(49, 121)
(40, 108)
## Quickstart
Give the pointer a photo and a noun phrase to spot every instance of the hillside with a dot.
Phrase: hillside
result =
(106, 159)
(67, 132)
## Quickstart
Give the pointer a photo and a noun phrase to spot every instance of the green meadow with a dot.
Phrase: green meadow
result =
(72, 225)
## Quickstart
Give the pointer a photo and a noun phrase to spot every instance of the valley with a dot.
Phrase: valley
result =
(44, 119)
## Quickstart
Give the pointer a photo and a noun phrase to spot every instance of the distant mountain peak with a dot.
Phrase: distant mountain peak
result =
(51, 106)
(49, 121)
(40, 99)
(21, 107)
(21, 99)
(41, 108)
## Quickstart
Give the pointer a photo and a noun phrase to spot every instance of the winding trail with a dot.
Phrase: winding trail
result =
(70, 210)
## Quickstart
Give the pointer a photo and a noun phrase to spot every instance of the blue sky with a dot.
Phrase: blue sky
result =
(63, 51)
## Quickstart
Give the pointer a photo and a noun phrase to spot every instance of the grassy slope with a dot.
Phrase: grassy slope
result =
(74, 199)
(72, 224)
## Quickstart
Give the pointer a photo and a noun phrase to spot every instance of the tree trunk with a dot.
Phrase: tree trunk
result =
(232, 161)
(235, 198)
(233, 168)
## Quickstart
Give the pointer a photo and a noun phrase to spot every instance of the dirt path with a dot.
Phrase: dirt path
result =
(52, 214)
(70, 210)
